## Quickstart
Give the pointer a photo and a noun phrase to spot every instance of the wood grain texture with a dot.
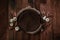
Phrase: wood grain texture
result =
(46, 7)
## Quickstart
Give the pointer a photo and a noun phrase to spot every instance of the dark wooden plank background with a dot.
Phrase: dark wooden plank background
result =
(50, 7)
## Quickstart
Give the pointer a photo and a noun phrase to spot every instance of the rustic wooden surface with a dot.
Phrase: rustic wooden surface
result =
(50, 7)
